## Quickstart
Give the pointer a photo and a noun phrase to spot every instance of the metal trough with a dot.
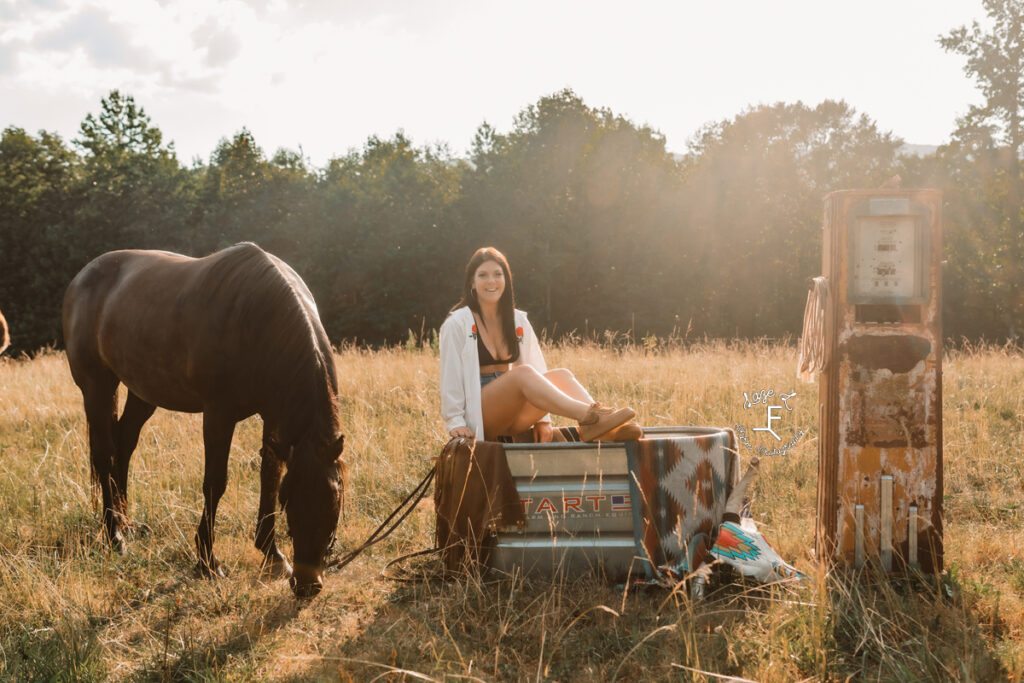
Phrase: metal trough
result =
(576, 501)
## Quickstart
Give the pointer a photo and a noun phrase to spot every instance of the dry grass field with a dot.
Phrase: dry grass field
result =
(71, 610)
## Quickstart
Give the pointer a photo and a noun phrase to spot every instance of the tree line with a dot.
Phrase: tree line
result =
(604, 227)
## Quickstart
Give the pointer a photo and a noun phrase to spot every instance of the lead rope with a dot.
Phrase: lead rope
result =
(377, 536)
(405, 575)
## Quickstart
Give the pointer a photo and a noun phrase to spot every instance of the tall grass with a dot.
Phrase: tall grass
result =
(71, 610)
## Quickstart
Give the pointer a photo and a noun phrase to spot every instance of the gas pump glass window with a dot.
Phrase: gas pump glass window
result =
(888, 260)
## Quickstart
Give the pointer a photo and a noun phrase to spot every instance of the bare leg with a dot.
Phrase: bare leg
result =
(217, 433)
(271, 468)
(569, 385)
(520, 397)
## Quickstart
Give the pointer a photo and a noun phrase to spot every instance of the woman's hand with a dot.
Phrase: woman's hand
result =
(462, 433)
(543, 432)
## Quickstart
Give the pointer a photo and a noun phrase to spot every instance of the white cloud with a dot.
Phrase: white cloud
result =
(327, 74)
(220, 44)
(7, 11)
(171, 80)
(104, 43)
(419, 15)
(8, 58)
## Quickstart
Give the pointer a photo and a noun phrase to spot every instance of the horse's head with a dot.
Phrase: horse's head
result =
(311, 495)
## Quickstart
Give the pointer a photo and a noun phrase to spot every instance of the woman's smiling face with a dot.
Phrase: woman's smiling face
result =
(489, 282)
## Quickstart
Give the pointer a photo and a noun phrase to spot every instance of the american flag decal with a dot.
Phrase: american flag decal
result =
(620, 502)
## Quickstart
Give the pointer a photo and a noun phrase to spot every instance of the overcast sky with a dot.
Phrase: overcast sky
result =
(324, 75)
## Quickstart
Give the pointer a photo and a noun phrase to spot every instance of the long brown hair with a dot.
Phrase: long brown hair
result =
(507, 302)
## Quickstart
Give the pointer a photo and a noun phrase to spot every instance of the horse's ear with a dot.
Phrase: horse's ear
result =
(338, 447)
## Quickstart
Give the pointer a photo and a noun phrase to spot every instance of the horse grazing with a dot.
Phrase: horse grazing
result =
(230, 335)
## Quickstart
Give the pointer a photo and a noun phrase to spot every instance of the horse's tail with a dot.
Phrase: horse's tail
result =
(5, 336)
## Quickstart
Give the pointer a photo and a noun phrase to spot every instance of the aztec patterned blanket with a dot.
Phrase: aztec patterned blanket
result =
(679, 487)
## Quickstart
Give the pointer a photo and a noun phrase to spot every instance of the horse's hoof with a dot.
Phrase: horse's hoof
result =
(276, 568)
(118, 544)
(208, 571)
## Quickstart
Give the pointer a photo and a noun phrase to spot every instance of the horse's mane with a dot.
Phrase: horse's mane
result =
(265, 296)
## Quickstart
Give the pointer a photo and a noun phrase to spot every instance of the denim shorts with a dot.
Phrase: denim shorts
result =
(485, 379)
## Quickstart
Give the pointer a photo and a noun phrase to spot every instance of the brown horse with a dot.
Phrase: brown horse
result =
(230, 335)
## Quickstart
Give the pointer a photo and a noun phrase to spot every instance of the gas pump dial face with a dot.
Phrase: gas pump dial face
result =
(885, 266)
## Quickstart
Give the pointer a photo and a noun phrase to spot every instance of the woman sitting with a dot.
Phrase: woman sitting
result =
(494, 380)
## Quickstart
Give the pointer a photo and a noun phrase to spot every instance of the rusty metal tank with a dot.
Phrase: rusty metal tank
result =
(880, 447)
(577, 507)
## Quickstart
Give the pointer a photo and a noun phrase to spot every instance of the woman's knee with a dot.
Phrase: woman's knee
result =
(560, 374)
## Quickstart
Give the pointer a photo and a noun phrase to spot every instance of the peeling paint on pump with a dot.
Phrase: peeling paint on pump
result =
(881, 386)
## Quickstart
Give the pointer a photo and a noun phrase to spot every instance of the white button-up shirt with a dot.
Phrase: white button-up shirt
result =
(460, 368)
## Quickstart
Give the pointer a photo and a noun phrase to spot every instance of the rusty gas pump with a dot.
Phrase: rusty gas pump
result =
(874, 329)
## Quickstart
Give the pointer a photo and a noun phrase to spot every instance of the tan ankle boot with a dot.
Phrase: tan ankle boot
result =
(600, 420)
(630, 431)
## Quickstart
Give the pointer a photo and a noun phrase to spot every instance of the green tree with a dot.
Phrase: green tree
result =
(390, 244)
(995, 59)
(754, 187)
(37, 205)
(989, 138)
(245, 197)
(574, 195)
(121, 127)
(138, 195)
